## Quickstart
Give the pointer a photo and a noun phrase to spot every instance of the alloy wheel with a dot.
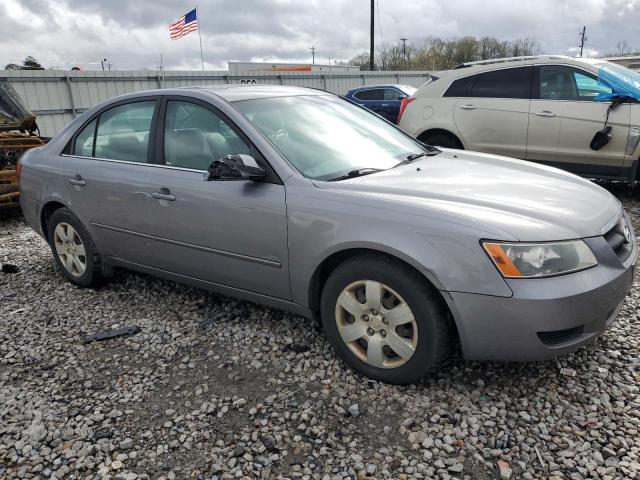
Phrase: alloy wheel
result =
(70, 249)
(376, 324)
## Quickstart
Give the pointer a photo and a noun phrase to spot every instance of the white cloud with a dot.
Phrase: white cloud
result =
(134, 34)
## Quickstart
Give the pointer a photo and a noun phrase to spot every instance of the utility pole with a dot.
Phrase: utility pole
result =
(313, 55)
(371, 65)
(404, 50)
(583, 39)
(102, 63)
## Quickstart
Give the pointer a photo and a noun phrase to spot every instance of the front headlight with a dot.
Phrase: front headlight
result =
(530, 260)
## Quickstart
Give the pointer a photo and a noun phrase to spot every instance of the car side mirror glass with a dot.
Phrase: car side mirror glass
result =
(236, 167)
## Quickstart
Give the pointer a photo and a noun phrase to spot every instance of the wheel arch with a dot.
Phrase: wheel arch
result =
(324, 269)
(45, 215)
(439, 131)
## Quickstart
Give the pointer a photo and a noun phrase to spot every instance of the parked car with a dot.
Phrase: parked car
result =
(300, 200)
(545, 109)
(384, 100)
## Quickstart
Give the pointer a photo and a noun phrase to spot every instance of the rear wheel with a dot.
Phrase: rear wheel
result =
(384, 319)
(73, 250)
(442, 139)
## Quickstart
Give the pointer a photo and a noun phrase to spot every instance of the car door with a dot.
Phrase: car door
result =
(105, 171)
(564, 116)
(231, 233)
(372, 99)
(492, 110)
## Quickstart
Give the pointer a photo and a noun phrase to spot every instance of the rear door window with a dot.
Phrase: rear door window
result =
(84, 141)
(123, 132)
(505, 83)
(461, 87)
(371, 94)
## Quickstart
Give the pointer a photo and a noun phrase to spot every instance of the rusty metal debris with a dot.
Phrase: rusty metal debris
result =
(18, 133)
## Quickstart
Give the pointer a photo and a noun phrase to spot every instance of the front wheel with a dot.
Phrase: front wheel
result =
(73, 250)
(384, 319)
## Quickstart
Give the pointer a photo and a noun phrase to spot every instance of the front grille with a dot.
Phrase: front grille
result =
(617, 241)
(555, 337)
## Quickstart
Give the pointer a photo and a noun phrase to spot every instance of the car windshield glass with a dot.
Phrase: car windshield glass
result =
(325, 137)
(622, 80)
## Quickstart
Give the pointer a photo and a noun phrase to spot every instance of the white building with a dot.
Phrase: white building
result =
(263, 68)
(630, 61)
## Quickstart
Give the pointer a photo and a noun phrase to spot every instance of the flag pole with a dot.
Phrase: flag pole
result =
(200, 38)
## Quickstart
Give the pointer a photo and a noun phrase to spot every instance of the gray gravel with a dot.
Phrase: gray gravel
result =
(216, 388)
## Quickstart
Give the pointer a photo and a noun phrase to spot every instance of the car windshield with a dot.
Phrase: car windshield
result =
(325, 137)
(622, 80)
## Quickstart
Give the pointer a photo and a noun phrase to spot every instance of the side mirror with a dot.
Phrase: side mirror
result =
(236, 167)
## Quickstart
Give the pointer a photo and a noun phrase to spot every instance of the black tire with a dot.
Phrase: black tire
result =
(434, 332)
(96, 271)
(443, 140)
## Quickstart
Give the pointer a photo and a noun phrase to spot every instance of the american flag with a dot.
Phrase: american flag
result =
(184, 25)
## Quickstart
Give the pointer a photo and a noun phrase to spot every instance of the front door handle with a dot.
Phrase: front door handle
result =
(77, 180)
(163, 194)
(545, 113)
(385, 104)
(468, 107)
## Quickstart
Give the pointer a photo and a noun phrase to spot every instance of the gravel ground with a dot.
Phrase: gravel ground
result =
(214, 388)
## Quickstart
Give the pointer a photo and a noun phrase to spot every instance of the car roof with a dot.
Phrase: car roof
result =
(381, 85)
(437, 88)
(235, 92)
(508, 62)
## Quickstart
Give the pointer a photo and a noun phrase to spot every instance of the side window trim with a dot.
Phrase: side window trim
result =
(69, 148)
(272, 176)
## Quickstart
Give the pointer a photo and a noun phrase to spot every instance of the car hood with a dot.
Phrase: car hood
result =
(500, 196)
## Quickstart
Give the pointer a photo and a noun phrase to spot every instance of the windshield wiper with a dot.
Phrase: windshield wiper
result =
(414, 156)
(358, 172)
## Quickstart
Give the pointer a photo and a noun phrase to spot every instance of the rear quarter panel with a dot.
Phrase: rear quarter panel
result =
(427, 113)
(41, 182)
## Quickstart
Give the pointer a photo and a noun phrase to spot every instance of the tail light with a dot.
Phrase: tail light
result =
(403, 104)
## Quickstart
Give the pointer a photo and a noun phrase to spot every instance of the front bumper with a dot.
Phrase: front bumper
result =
(545, 317)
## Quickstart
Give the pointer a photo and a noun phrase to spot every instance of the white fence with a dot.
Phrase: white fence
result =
(56, 96)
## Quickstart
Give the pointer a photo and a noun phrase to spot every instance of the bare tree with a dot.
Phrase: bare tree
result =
(622, 48)
(433, 53)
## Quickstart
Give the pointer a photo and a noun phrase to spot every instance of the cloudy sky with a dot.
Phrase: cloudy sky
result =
(132, 34)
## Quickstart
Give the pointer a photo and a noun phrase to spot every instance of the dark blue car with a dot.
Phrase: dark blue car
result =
(382, 99)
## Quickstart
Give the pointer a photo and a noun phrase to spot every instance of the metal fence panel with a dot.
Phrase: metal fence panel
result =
(56, 96)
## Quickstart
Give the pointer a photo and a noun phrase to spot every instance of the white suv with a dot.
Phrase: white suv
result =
(546, 109)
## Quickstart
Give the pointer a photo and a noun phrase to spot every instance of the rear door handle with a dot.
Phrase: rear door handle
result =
(77, 180)
(163, 194)
(545, 113)
(468, 107)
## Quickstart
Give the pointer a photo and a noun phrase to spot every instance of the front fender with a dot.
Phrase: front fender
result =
(448, 255)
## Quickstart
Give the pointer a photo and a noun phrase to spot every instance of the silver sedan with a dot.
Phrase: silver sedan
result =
(300, 200)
